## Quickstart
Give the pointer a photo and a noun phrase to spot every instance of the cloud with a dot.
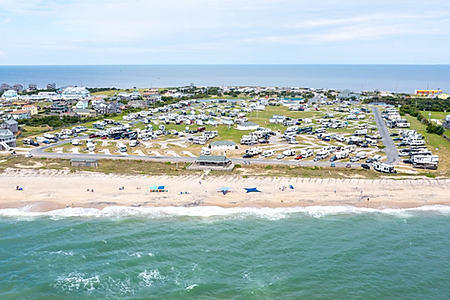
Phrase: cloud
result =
(2, 53)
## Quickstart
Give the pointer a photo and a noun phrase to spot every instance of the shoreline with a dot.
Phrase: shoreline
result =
(47, 190)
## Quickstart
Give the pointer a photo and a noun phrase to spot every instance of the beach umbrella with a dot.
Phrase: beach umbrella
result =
(224, 189)
(252, 190)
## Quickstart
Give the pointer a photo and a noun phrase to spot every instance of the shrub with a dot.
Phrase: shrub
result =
(237, 166)
(167, 163)
(268, 167)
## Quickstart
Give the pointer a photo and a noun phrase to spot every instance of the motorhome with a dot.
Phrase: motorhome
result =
(205, 151)
(361, 132)
(122, 147)
(90, 146)
(322, 155)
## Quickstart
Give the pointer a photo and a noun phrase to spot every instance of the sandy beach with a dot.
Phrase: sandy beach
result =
(49, 189)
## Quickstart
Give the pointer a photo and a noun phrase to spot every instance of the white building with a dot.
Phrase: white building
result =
(247, 126)
(10, 95)
(71, 93)
(223, 145)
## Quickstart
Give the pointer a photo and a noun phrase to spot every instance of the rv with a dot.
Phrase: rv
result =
(90, 146)
(306, 153)
(122, 147)
(341, 154)
(361, 155)
(289, 152)
(269, 153)
(254, 151)
(384, 168)
(205, 151)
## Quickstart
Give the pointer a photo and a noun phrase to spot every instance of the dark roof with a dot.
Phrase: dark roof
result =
(212, 158)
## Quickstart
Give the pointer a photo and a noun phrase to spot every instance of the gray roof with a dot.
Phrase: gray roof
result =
(6, 132)
(90, 160)
(248, 124)
(223, 143)
(212, 158)
(11, 122)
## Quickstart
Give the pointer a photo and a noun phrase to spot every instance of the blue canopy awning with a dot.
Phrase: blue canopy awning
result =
(224, 189)
(251, 190)
(161, 187)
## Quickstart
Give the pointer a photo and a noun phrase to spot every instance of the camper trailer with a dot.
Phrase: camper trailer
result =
(341, 154)
(289, 152)
(383, 168)
(306, 153)
(269, 153)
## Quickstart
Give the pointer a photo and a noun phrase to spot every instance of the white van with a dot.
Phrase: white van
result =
(75, 142)
(269, 153)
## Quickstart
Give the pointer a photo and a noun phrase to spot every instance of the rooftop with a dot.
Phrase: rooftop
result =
(223, 143)
(212, 158)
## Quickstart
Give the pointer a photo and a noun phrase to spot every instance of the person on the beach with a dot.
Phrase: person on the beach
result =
(92, 190)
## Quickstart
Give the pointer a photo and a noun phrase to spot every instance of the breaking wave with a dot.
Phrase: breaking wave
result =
(219, 212)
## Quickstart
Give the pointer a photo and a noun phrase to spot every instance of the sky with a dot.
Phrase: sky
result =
(92, 32)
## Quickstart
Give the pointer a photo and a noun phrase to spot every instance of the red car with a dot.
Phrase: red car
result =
(298, 157)
(93, 136)
(104, 137)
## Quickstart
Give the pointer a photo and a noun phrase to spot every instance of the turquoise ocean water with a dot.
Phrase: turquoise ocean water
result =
(401, 78)
(214, 253)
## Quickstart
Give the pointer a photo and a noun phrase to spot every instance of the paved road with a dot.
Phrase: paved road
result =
(39, 152)
(390, 150)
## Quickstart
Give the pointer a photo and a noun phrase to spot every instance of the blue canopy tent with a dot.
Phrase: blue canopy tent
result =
(251, 190)
(224, 190)
(291, 187)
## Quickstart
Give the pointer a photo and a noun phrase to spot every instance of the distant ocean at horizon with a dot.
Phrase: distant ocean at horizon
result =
(400, 78)
(225, 253)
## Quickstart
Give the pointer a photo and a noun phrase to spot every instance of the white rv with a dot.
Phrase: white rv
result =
(122, 147)
(269, 153)
(90, 146)
(384, 168)
(289, 152)
(306, 153)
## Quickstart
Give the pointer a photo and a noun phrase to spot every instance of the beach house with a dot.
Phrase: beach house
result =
(31, 108)
(20, 114)
(11, 125)
(7, 139)
(10, 95)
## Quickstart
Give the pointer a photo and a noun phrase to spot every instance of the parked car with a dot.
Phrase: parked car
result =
(333, 165)
(93, 136)
(348, 166)
(280, 156)
(394, 134)
(247, 155)
(397, 139)
(29, 155)
(333, 158)
(365, 166)
(298, 157)
(369, 160)
(407, 161)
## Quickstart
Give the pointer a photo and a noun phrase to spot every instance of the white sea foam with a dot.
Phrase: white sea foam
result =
(191, 287)
(148, 277)
(77, 281)
(219, 212)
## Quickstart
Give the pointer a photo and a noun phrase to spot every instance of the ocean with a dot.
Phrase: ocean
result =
(217, 253)
(395, 78)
